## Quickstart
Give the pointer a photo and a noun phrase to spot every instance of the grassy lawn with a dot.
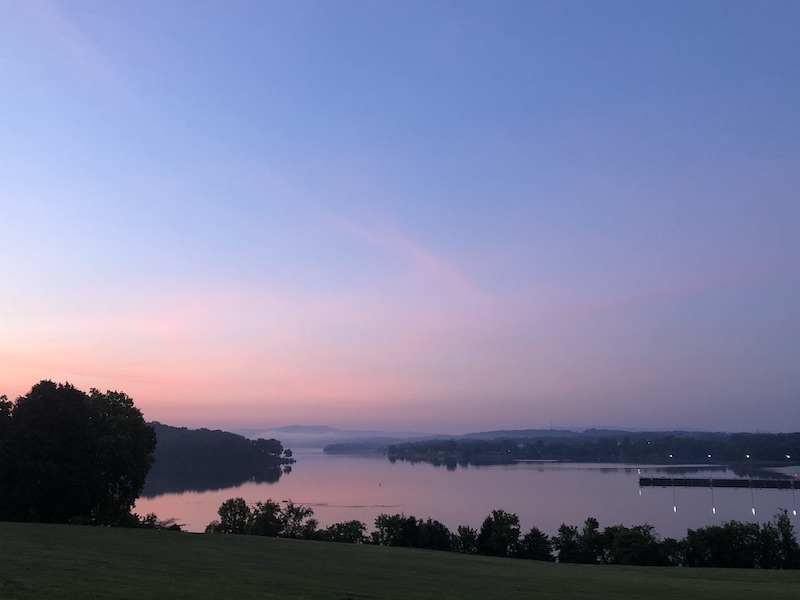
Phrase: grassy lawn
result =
(81, 563)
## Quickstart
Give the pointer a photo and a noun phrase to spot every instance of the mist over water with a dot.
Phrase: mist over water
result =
(545, 495)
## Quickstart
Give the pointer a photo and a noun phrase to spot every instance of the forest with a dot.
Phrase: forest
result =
(203, 459)
(624, 447)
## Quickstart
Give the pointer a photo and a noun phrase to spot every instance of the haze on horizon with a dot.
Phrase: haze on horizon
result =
(442, 216)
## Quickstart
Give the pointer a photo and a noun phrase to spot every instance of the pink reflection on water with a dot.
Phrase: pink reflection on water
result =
(544, 495)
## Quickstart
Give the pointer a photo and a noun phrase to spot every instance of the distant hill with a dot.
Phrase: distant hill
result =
(519, 434)
(322, 436)
(319, 436)
(347, 440)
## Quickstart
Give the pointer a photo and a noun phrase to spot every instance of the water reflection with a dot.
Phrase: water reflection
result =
(545, 495)
(174, 480)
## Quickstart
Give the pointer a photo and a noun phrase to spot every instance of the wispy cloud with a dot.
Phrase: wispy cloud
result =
(422, 258)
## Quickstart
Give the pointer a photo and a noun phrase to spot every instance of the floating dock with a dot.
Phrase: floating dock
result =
(775, 484)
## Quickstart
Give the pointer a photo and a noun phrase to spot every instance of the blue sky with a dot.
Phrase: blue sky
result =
(432, 215)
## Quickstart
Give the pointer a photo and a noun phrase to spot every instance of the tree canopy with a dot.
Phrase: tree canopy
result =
(71, 457)
(204, 459)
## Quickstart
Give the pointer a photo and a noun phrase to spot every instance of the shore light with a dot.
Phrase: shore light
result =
(674, 500)
(713, 504)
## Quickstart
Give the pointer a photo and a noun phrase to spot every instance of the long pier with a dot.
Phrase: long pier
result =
(775, 484)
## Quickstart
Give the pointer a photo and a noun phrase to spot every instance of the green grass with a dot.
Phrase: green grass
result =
(62, 561)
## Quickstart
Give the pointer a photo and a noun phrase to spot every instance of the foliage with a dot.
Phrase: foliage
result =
(6, 406)
(746, 545)
(567, 544)
(150, 521)
(396, 530)
(465, 540)
(264, 519)
(199, 459)
(435, 536)
(400, 530)
(732, 544)
(535, 545)
(67, 456)
(297, 521)
(499, 534)
(637, 545)
(787, 550)
(234, 516)
(592, 543)
(349, 532)
(604, 446)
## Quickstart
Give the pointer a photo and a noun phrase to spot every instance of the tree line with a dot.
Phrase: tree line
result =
(649, 448)
(203, 459)
(772, 545)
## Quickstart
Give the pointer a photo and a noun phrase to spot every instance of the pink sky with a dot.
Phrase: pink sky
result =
(442, 216)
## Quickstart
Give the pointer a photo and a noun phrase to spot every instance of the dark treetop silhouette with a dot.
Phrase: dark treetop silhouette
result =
(71, 457)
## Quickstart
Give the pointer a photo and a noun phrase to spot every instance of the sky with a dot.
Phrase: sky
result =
(441, 216)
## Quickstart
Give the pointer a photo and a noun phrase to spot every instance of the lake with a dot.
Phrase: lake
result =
(545, 495)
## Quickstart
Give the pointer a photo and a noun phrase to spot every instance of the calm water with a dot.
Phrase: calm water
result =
(544, 495)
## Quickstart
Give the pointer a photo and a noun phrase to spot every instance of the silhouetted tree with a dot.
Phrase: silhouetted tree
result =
(744, 545)
(499, 534)
(396, 530)
(535, 545)
(638, 545)
(567, 544)
(591, 543)
(434, 536)
(234, 517)
(297, 521)
(350, 532)
(266, 519)
(68, 456)
(788, 550)
(465, 540)
(732, 544)
(151, 521)
(6, 407)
